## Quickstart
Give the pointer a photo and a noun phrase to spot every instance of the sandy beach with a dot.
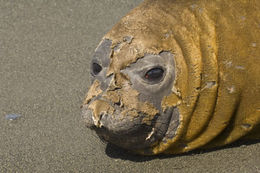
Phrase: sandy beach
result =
(45, 51)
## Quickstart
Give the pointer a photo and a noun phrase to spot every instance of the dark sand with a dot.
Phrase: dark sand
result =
(45, 49)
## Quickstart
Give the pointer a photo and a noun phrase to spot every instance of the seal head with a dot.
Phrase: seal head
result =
(124, 106)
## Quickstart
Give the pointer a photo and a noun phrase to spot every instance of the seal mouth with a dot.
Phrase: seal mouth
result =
(132, 140)
(129, 133)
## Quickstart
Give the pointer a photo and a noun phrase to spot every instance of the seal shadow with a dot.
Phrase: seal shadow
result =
(116, 152)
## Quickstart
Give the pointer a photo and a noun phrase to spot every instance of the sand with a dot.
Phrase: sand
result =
(45, 50)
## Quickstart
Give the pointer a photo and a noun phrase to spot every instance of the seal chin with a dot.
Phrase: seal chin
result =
(128, 132)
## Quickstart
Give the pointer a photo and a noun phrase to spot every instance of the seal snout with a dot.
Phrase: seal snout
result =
(127, 133)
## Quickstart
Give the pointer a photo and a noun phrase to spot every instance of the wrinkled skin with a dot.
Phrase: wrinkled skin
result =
(175, 75)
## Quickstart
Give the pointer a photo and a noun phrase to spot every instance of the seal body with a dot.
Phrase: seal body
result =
(176, 75)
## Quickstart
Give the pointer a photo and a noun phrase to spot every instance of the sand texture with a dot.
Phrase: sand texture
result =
(45, 51)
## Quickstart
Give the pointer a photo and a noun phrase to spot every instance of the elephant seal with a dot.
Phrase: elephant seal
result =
(175, 75)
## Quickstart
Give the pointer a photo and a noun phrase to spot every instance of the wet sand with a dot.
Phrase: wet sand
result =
(45, 50)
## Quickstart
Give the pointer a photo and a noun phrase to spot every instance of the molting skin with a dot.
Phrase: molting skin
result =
(125, 107)
(173, 76)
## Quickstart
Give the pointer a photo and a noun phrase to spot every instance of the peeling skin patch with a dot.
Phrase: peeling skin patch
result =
(93, 91)
(246, 126)
(243, 18)
(150, 134)
(167, 34)
(228, 64)
(121, 80)
(122, 49)
(133, 113)
(209, 84)
(113, 96)
(231, 89)
(132, 103)
(239, 67)
(193, 6)
(170, 101)
(117, 47)
(99, 108)
(128, 39)
(119, 92)
(176, 91)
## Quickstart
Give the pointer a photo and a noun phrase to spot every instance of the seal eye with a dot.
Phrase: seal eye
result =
(96, 68)
(154, 74)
